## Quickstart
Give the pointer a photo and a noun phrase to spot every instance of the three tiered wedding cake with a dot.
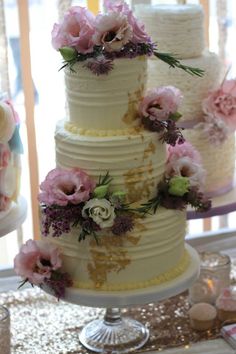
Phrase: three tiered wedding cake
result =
(113, 209)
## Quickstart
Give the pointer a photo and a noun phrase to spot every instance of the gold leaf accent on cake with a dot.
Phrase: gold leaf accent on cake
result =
(132, 112)
(136, 183)
(71, 128)
(108, 256)
(180, 267)
(150, 149)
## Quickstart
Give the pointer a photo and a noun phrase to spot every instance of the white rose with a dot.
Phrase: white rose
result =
(7, 122)
(101, 211)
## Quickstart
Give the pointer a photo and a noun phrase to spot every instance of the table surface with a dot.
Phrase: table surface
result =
(217, 346)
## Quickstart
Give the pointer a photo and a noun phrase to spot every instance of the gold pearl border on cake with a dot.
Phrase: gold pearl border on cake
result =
(160, 279)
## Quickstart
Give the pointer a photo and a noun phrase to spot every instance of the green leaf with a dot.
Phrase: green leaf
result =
(173, 62)
(100, 191)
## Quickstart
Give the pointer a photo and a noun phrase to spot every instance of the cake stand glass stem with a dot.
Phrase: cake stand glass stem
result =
(114, 334)
(112, 316)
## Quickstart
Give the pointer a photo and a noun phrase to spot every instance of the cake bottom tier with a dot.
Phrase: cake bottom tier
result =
(218, 161)
(151, 254)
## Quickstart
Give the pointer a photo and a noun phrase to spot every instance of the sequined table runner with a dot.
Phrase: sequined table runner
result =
(40, 324)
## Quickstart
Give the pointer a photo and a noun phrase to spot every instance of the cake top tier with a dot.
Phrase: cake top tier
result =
(178, 29)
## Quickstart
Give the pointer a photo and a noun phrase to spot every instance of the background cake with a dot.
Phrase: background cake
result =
(10, 150)
(113, 210)
(179, 29)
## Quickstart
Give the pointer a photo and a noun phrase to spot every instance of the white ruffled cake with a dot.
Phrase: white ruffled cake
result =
(10, 164)
(102, 137)
(179, 29)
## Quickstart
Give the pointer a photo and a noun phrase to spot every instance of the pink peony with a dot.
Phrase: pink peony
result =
(221, 103)
(76, 30)
(4, 202)
(160, 102)
(66, 186)
(36, 260)
(185, 149)
(112, 31)
(5, 155)
(139, 33)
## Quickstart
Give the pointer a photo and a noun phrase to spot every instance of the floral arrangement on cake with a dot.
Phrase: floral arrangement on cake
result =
(159, 113)
(98, 40)
(70, 198)
(219, 109)
(10, 143)
(182, 183)
(39, 263)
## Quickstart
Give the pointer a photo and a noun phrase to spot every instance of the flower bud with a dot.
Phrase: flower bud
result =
(118, 195)
(68, 53)
(178, 186)
(100, 191)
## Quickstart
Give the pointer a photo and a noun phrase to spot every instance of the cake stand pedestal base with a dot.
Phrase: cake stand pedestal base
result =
(114, 334)
(117, 335)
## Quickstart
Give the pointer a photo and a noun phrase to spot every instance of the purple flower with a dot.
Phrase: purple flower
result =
(58, 283)
(215, 130)
(59, 220)
(99, 65)
(122, 224)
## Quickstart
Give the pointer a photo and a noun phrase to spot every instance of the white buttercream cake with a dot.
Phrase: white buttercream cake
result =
(180, 29)
(102, 134)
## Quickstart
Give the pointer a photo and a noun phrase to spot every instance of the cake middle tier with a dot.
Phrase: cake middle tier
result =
(106, 102)
(136, 163)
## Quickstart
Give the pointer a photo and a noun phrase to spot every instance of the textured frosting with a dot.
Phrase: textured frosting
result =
(194, 88)
(151, 254)
(106, 102)
(176, 29)
(219, 161)
(135, 162)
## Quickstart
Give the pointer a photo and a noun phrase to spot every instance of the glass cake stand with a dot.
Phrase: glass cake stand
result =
(115, 334)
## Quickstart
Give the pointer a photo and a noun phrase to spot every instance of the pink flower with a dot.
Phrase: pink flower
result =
(4, 202)
(183, 160)
(112, 31)
(216, 131)
(5, 155)
(36, 261)
(221, 103)
(139, 33)
(76, 30)
(66, 186)
(185, 149)
(116, 6)
(160, 102)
